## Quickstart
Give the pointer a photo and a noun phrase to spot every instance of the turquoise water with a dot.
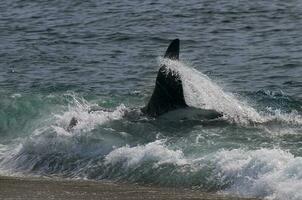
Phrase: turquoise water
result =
(241, 58)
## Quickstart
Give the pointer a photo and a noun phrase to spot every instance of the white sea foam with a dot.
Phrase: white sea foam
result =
(86, 121)
(293, 118)
(264, 173)
(154, 151)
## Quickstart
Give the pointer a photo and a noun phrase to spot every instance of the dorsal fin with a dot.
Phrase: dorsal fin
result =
(173, 50)
(168, 92)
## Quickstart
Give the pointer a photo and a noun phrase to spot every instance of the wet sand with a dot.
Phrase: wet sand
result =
(44, 189)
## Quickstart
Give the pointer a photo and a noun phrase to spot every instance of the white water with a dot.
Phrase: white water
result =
(79, 108)
(263, 173)
(154, 151)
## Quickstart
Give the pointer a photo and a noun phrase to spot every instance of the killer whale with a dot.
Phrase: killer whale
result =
(168, 94)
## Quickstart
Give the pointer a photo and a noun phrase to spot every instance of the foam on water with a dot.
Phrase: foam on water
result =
(264, 173)
(79, 108)
(154, 151)
(293, 118)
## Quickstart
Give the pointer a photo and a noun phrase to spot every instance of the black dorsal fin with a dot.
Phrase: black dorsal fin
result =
(173, 50)
(168, 92)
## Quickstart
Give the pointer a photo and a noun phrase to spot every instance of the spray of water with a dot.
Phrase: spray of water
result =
(201, 92)
(79, 109)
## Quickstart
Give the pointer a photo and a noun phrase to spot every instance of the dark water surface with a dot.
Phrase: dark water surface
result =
(60, 58)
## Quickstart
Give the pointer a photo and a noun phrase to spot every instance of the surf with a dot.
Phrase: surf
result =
(239, 153)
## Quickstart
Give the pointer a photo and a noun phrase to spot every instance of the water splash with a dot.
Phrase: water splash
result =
(201, 92)
(79, 108)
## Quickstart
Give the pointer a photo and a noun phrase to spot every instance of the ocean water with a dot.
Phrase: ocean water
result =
(59, 59)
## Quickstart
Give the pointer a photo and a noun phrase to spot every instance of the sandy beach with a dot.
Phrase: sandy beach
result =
(41, 188)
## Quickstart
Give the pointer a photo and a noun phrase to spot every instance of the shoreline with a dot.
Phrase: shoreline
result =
(53, 188)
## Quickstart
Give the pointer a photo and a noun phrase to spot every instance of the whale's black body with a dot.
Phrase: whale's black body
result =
(168, 92)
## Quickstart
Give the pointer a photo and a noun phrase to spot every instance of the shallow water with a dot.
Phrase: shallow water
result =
(241, 58)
